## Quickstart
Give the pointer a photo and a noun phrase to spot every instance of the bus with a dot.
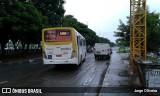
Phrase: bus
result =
(63, 45)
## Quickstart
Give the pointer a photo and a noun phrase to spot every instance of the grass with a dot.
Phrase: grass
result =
(123, 51)
(150, 58)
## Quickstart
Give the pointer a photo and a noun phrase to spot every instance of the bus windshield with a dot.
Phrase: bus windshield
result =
(57, 36)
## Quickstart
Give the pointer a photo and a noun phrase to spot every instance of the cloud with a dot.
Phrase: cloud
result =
(103, 16)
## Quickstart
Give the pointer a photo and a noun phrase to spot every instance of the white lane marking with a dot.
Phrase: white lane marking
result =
(3, 82)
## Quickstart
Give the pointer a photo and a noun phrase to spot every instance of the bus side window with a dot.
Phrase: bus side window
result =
(84, 42)
(81, 42)
(77, 40)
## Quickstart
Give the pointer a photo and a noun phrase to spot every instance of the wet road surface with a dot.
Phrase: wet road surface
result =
(34, 74)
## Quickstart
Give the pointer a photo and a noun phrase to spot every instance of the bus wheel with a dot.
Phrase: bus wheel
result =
(81, 60)
(84, 59)
(96, 57)
(108, 56)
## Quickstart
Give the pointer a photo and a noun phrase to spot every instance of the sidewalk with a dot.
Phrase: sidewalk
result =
(118, 77)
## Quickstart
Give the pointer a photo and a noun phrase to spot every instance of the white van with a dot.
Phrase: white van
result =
(102, 50)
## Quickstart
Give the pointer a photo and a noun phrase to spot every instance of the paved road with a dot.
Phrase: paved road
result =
(34, 74)
(88, 79)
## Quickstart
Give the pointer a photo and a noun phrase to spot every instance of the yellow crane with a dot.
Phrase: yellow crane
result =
(137, 31)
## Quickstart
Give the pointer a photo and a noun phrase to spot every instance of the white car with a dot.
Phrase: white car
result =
(102, 50)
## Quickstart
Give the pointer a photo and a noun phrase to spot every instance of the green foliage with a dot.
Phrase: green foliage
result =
(90, 35)
(150, 58)
(22, 21)
(53, 10)
(123, 34)
(123, 50)
(153, 32)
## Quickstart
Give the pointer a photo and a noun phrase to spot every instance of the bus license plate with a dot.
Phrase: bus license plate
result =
(58, 55)
(49, 56)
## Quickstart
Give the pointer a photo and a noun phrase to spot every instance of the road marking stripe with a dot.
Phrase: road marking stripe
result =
(3, 82)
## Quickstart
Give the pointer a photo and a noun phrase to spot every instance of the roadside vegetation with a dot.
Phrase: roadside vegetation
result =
(153, 33)
(21, 22)
(123, 51)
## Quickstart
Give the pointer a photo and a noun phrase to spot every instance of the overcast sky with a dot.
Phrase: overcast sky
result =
(103, 16)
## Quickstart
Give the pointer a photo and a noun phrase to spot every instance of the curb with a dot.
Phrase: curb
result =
(9, 62)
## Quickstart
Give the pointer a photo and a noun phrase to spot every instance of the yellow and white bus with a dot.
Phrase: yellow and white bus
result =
(63, 45)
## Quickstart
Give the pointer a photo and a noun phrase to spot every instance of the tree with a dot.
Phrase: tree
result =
(52, 9)
(5, 22)
(29, 24)
(123, 33)
(20, 21)
(89, 34)
(153, 32)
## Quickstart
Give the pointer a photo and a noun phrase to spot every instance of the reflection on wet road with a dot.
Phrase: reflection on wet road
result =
(90, 73)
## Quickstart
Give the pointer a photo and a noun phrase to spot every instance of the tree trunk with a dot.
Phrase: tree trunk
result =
(2, 48)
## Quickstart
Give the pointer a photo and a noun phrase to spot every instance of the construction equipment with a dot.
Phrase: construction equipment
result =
(137, 31)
